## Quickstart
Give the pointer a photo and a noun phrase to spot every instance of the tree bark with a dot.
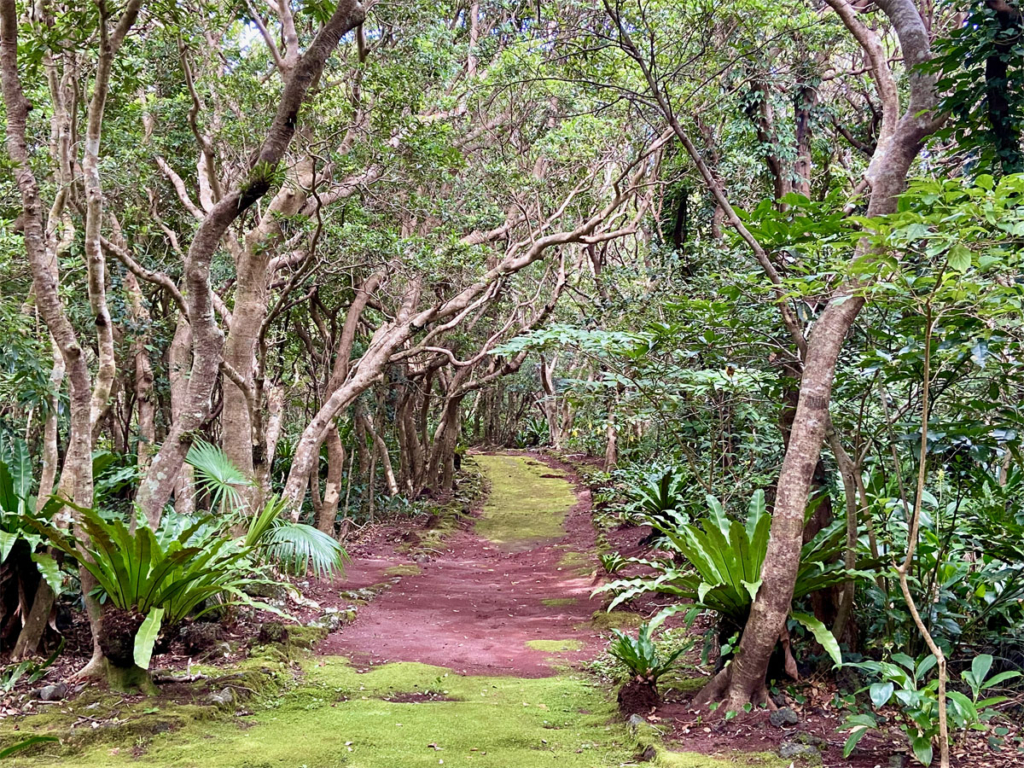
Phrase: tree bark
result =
(744, 680)
(208, 340)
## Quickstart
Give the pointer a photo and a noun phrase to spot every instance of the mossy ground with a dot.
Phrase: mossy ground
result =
(404, 570)
(616, 620)
(555, 646)
(337, 716)
(556, 602)
(523, 508)
(577, 562)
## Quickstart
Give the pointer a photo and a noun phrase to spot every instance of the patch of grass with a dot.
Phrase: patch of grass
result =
(616, 620)
(555, 646)
(522, 508)
(409, 569)
(558, 601)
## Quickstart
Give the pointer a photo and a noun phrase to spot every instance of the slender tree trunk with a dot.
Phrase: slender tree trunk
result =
(179, 362)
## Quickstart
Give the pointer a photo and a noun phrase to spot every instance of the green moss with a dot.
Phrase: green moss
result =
(559, 601)
(554, 646)
(404, 570)
(305, 637)
(734, 759)
(522, 507)
(487, 722)
(616, 620)
(577, 562)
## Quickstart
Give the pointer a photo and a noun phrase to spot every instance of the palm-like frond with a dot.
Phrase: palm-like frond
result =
(216, 475)
(294, 547)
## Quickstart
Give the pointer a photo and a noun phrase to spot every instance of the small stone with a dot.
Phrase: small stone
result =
(222, 697)
(802, 737)
(789, 750)
(199, 637)
(897, 760)
(783, 717)
(53, 692)
(635, 721)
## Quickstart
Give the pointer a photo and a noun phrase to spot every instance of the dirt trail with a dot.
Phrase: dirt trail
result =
(522, 575)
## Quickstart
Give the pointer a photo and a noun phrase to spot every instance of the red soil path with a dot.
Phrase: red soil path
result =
(474, 607)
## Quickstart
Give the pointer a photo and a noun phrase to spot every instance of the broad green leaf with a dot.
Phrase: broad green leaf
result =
(922, 746)
(851, 742)
(50, 571)
(752, 587)
(880, 694)
(146, 637)
(924, 666)
(718, 516)
(755, 512)
(980, 667)
(19, 463)
(821, 634)
(7, 541)
(959, 258)
(904, 660)
(999, 678)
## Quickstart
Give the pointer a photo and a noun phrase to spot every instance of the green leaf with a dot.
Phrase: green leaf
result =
(752, 587)
(7, 541)
(821, 634)
(25, 744)
(959, 258)
(880, 694)
(855, 735)
(718, 516)
(1001, 677)
(50, 571)
(754, 513)
(924, 666)
(922, 746)
(145, 639)
(980, 668)
(904, 660)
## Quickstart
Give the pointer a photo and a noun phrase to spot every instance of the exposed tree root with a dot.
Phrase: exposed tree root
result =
(733, 698)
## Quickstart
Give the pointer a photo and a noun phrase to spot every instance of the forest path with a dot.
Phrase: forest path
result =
(510, 597)
(464, 664)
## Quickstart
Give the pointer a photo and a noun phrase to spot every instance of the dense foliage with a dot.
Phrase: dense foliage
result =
(269, 270)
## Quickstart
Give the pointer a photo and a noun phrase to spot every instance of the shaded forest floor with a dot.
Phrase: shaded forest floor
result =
(465, 652)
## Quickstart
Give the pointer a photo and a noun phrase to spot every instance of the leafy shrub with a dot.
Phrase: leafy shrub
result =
(660, 497)
(641, 655)
(32, 671)
(293, 547)
(919, 704)
(613, 562)
(723, 569)
(153, 579)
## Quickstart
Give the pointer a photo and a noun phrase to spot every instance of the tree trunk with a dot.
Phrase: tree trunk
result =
(179, 362)
(328, 507)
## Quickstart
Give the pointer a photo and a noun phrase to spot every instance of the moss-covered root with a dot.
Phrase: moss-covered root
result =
(131, 679)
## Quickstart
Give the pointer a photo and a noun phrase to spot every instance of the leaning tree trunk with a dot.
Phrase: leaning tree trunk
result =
(901, 140)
